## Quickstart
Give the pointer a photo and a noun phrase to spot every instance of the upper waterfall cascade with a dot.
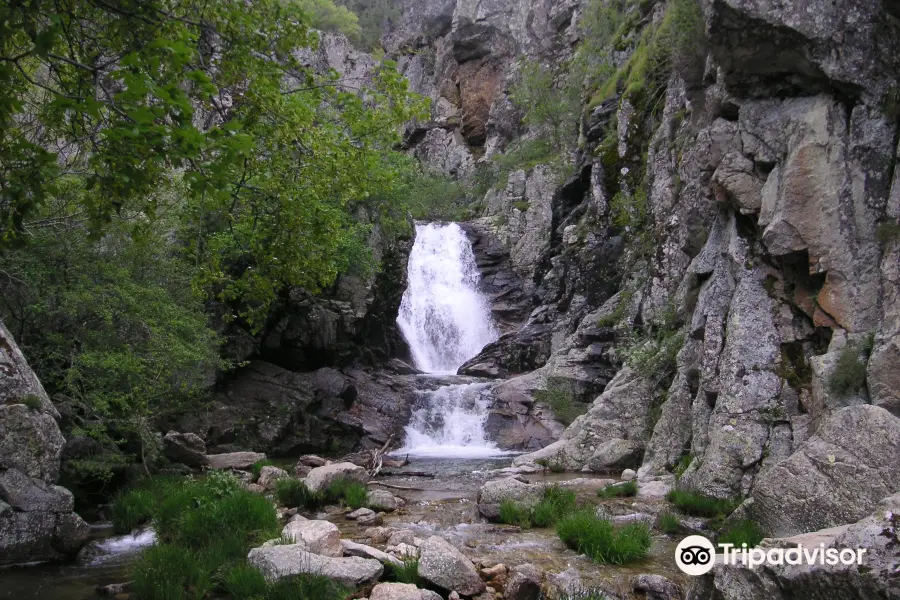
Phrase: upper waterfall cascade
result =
(443, 316)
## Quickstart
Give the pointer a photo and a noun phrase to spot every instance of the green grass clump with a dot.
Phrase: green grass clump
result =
(849, 375)
(697, 504)
(513, 514)
(293, 493)
(130, 510)
(32, 402)
(347, 492)
(668, 522)
(585, 532)
(741, 532)
(406, 572)
(244, 582)
(619, 490)
(256, 469)
(171, 572)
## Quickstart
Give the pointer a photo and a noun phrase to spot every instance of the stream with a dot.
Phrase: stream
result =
(446, 321)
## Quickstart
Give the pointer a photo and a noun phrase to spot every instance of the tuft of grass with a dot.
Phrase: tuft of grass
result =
(579, 595)
(697, 504)
(407, 572)
(849, 375)
(555, 503)
(742, 532)
(293, 493)
(513, 514)
(619, 490)
(347, 492)
(585, 532)
(256, 469)
(243, 582)
(171, 572)
(684, 461)
(32, 402)
(560, 397)
(130, 510)
(668, 522)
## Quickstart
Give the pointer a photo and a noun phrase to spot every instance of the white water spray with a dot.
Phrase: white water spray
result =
(443, 316)
(446, 321)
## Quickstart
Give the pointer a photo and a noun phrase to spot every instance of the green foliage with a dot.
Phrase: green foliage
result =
(849, 375)
(130, 510)
(585, 532)
(630, 211)
(406, 572)
(436, 197)
(619, 490)
(653, 354)
(325, 15)
(373, 15)
(293, 493)
(32, 402)
(554, 504)
(616, 316)
(698, 504)
(521, 155)
(205, 529)
(512, 513)
(551, 109)
(741, 532)
(668, 522)
(684, 461)
(256, 469)
(559, 395)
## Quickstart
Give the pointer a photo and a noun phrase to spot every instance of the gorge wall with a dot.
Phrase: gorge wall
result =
(718, 272)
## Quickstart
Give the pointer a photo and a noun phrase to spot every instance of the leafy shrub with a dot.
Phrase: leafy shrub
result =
(372, 16)
(256, 469)
(849, 375)
(293, 493)
(585, 532)
(668, 522)
(406, 572)
(741, 532)
(325, 15)
(559, 395)
(697, 504)
(32, 402)
(619, 490)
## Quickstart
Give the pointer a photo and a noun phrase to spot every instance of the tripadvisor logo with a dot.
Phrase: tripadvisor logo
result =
(696, 555)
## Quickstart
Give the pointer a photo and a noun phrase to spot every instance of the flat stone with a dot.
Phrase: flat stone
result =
(284, 561)
(352, 548)
(234, 460)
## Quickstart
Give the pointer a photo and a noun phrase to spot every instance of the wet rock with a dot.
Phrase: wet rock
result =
(234, 460)
(186, 448)
(318, 537)
(383, 500)
(360, 512)
(401, 591)
(443, 565)
(877, 534)
(370, 520)
(70, 533)
(493, 493)
(352, 548)
(836, 476)
(284, 561)
(524, 583)
(495, 576)
(268, 475)
(656, 587)
(321, 477)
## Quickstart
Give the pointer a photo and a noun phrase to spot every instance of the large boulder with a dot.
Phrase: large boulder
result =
(320, 478)
(385, 501)
(36, 518)
(268, 475)
(524, 583)
(443, 565)
(837, 476)
(234, 460)
(185, 448)
(401, 591)
(276, 562)
(877, 534)
(493, 493)
(319, 537)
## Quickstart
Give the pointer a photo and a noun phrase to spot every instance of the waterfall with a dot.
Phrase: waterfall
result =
(446, 321)
(443, 316)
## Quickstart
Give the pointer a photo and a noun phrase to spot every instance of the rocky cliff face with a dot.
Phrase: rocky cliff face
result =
(36, 518)
(765, 269)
